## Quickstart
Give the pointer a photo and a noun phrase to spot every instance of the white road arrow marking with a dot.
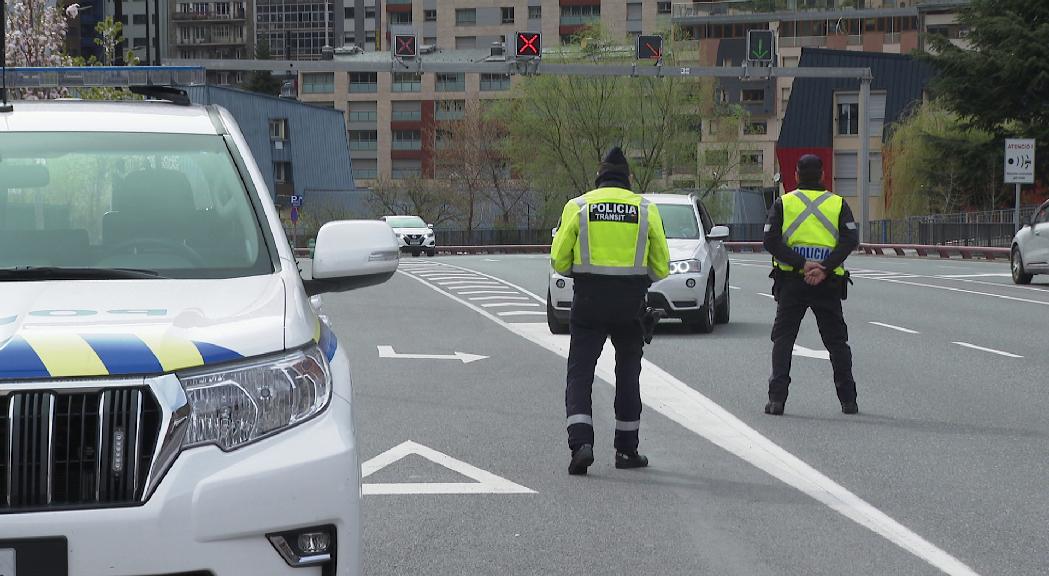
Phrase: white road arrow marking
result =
(810, 353)
(388, 352)
(484, 482)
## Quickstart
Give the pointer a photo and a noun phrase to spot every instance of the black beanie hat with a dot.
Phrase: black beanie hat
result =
(614, 168)
(810, 169)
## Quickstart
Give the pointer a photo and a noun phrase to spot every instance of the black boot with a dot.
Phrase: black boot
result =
(774, 408)
(850, 407)
(630, 460)
(582, 458)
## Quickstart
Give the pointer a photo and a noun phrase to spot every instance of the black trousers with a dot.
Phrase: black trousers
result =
(594, 319)
(795, 298)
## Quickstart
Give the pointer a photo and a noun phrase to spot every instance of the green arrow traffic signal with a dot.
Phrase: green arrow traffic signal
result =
(760, 53)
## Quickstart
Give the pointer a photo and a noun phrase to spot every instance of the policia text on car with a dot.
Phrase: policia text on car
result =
(810, 232)
(611, 242)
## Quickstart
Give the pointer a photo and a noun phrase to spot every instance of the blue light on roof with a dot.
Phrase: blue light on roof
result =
(105, 76)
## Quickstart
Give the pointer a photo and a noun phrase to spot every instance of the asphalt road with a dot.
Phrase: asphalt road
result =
(944, 470)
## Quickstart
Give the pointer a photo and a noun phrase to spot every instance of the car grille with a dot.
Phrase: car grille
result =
(76, 448)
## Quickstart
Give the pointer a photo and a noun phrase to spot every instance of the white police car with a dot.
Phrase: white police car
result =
(697, 290)
(170, 402)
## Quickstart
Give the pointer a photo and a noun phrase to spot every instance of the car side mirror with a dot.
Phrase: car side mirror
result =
(351, 254)
(553, 232)
(718, 233)
(430, 226)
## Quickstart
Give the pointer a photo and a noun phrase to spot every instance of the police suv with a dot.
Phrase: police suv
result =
(170, 402)
(697, 290)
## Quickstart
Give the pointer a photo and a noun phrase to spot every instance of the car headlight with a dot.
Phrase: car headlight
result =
(686, 266)
(244, 402)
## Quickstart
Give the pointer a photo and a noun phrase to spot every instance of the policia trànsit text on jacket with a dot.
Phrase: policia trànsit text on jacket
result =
(810, 232)
(611, 242)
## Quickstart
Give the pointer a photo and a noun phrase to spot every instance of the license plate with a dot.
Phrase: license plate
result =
(7, 562)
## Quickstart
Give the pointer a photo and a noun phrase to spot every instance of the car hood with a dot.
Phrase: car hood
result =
(412, 230)
(681, 249)
(123, 327)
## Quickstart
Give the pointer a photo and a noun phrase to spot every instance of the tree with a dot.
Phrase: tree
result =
(431, 200)
(36, 36)
(938, 163)
(262, 81)
(1002, 84)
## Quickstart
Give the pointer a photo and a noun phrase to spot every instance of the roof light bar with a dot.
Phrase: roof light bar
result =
(105, 76)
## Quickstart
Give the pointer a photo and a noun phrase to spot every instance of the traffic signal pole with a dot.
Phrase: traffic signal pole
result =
(535, 66)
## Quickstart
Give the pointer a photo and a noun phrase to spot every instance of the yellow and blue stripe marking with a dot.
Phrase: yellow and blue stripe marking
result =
(59, 355)
(325, 339)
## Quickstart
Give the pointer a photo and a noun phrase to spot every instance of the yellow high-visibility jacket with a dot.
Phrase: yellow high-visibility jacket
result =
(810, 225)
(611, 232)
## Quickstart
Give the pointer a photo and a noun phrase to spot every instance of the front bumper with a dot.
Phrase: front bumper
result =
(672, 294)
(408, 245)
(213, 509)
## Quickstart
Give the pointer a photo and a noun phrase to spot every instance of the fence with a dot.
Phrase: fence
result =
(491, 237)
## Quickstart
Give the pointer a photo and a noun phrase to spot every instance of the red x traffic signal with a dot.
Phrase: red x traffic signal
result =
(404, 46)
(529, 45)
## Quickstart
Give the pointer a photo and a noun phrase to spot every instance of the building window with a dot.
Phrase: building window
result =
(406, 111)
(363, 81)
(751, 161)
(451, 82)
(404, 169)
(848, 113)
(369, 12)
(430, 15)
(450, 110)
(465, 17)
(365, 169)
(282, 172)
(508, 14)
(662, 7)
(633, 12)
(318, 83)
(754, 96)
(362, 115)
(756, 128)
(465, 42)
(400, 18)
(406, 140)
(363, 139)
(406, 82)
(347, 13)
(495, 82)
(576, 15)
(139, 19)
(715, 157)
(535, 12)
(279, 129)
(848, 118)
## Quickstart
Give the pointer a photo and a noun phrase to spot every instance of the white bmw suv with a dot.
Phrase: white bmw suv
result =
(170, 402)
(697, 290)
(1030, 249)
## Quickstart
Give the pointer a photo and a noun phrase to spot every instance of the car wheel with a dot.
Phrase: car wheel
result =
(415, 253)
(556, 326)
(723, 309)
(1020, 275)
(704, 323)
(431, 252)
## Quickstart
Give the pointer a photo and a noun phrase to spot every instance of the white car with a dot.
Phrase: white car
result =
(170, 401)
(1030, 250)
(697, 290)
(413, 234)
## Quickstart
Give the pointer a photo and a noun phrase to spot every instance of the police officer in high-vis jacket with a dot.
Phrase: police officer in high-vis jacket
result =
(611, 242)
(810, 232)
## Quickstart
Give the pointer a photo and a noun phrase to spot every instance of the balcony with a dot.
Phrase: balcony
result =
(207, 17)
(211, 41)
(406, 116)
(740, 11)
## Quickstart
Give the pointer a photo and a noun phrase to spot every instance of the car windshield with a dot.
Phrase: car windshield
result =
(406, 222)
(679, 221)
(169, 204)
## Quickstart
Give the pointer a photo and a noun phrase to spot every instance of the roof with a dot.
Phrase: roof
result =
(94, 116)
(809, 121)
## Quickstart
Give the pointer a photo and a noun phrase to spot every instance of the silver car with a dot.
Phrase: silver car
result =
(697, 290)
(1030, 253)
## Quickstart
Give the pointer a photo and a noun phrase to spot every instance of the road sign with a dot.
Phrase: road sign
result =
(761, 49)
(649, 47)
(529, 44)
(296, 200)
(294, 214)
(1019, 161)
(405, 46)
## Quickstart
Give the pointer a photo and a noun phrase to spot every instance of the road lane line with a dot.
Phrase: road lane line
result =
(765, 295)
(498, 297)
(523, 313)
(508, 304)
(897, 328)
(734, 288)
(475, 286)
(991, 350)
(688, 407)
(960, 276)
(488, 292)
(469, 281)
(953, 289)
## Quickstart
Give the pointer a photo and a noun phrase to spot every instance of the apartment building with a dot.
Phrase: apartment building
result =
(145, 23)
(872, 27)
(392, 117)
(299, 29)
(211, 29)
(468, 24)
